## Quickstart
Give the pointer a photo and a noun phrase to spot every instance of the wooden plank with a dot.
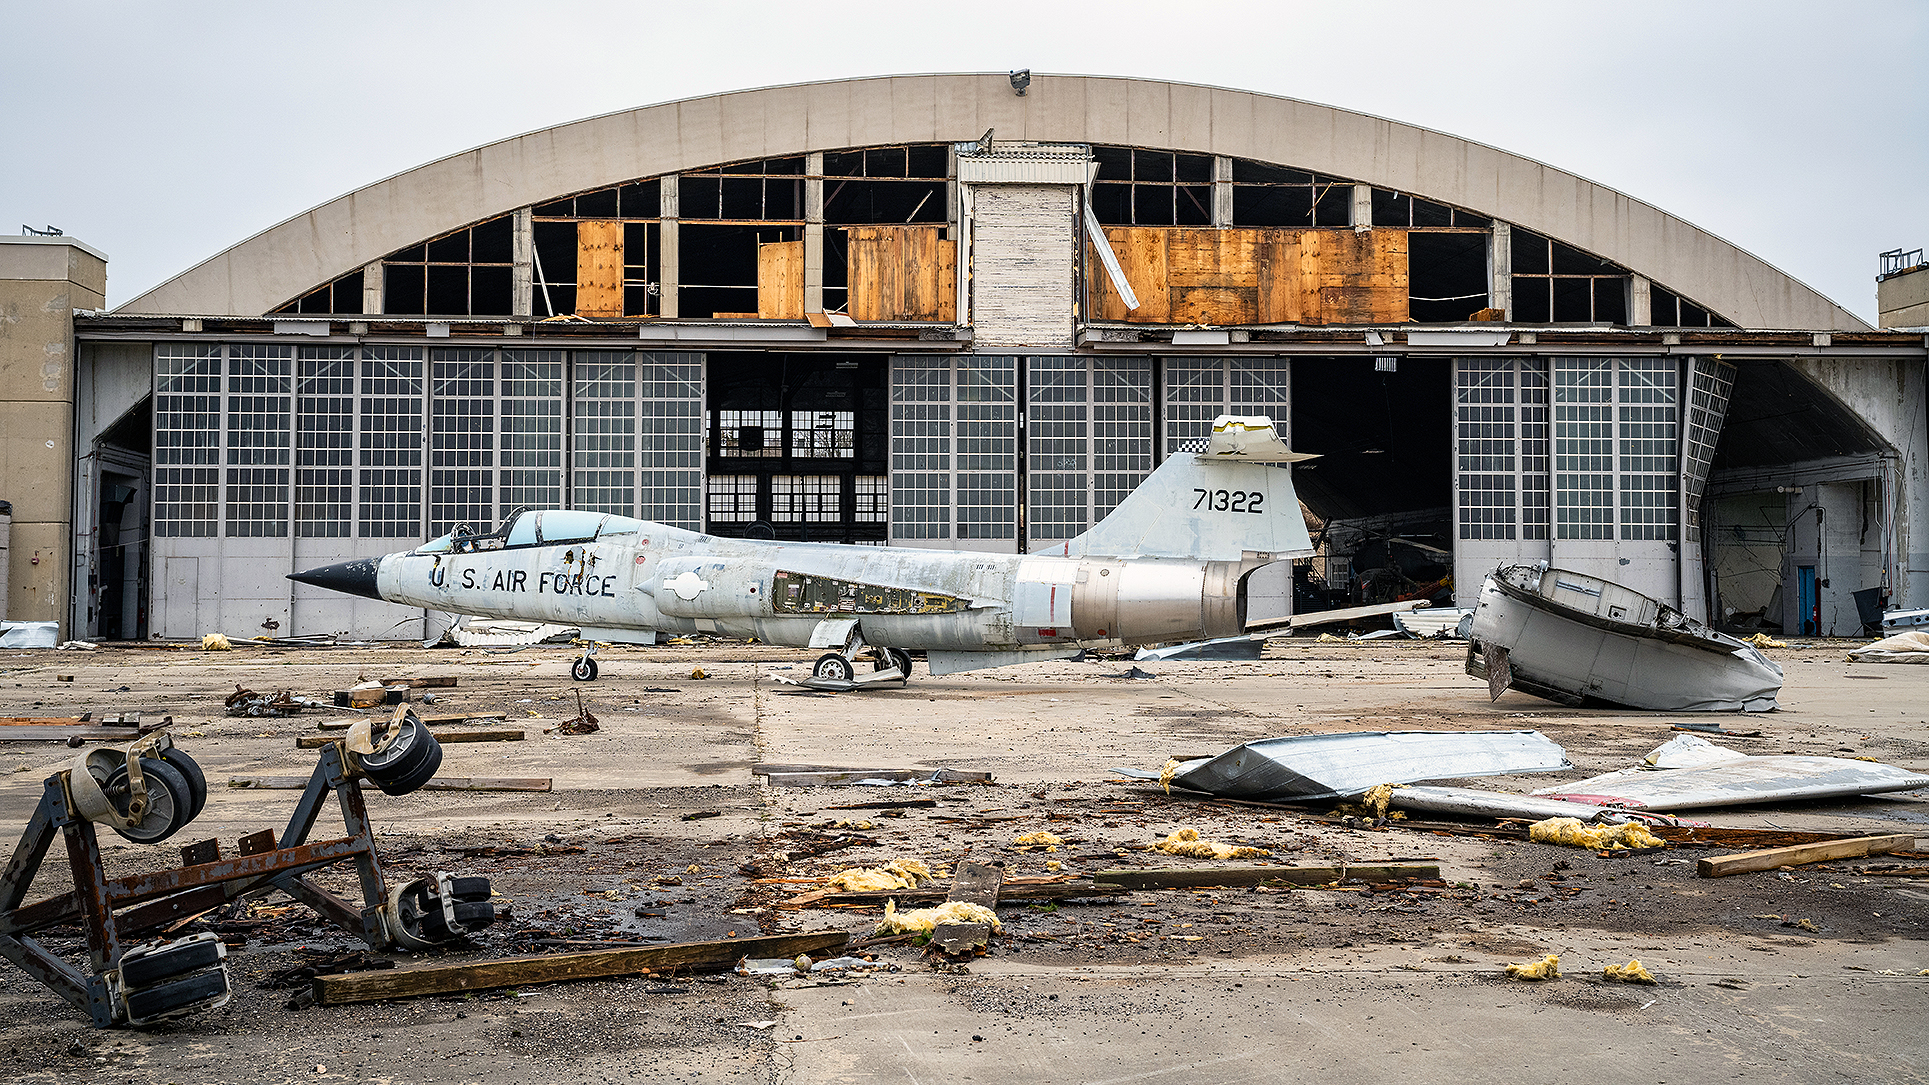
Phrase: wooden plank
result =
(559, 967)
(452, 783)
(820, 779)
(29, 733)
(1060, 887)
(780, 280)
(316, 742)
(42, 721)
(440, 681)
(1800, 854)
(599, 268)
(972, 883)
(1237, 876)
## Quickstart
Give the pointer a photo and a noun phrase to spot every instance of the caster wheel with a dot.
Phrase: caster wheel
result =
(473, 917)
(416, 916)
(469, 889)
(146, 967)
(202, 991)
(197, 781)
(408, 761)
(168, 801)
(834, 666)
(583, 670)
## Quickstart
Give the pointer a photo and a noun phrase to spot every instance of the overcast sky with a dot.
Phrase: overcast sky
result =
(162, 133)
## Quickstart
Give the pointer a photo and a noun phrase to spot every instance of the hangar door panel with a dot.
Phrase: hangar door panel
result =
(954, 452)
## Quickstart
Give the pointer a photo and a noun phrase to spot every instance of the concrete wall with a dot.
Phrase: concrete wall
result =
(346, 233)
(42, 281)
(1902, 301)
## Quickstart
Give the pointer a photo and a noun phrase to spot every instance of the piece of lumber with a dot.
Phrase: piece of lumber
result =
(42, 721)
(431, 721)
(855, 775)
(971, 883)
(886, 804)
(1800, 854)
(451, 783)
(440, 681)
(559, 967)
(27, 733)
(1171, 878)
(316, 742)
(1059, 888)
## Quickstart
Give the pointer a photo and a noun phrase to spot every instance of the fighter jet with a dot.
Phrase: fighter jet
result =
(1170, 564)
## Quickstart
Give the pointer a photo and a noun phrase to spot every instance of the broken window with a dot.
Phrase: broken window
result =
(718, 268)
(465, 273)
(744, 191)
(1447, 276)
(1669, 310)
(1268, 195)
(886, 185)
(1556, 282)
(733, 499)
(1137, 187)
(554, 273)
(1405, 209)
(344, 295)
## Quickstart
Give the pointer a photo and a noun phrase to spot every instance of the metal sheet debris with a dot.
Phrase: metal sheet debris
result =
(1441, 623)
(29, 634)
(1472, 802)
(1908, 647)
(1302, 768)
(1689, 772)
(1573, 638)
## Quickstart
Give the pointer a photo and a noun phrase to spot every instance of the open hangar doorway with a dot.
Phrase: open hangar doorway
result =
(1379, 497)
(797, 447)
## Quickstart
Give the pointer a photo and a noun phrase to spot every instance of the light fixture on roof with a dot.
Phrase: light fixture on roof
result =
(1021, 79)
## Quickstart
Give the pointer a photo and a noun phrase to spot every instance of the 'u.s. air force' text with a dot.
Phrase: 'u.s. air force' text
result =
(550, 583)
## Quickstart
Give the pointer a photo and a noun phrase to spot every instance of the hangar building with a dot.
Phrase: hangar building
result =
(952, 311)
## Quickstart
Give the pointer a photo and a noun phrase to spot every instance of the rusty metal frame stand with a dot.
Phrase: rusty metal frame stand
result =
(180, 892)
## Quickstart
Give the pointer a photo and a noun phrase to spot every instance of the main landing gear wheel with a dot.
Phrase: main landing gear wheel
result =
(583, 670)
(169, 801)
(896, 657)
(835, 666)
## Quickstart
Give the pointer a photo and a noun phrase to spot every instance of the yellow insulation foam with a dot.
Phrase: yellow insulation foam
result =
(1187, 842)
(1574, 834)
(921, 920)
(1631, 972)
(1547, 968)
(896, 874)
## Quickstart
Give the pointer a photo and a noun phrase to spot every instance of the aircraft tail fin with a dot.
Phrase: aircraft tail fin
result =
(1231, 497)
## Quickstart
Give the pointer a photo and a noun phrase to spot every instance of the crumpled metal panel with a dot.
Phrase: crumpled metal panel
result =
(1718, 776)
(1308, 767)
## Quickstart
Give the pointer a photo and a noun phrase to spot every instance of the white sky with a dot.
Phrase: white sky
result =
(162, 133)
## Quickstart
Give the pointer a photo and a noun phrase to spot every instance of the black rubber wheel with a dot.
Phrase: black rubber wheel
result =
(901, 659)
(179, 995)
(144, 970)
(168, 801)
(197, 780)
(469, 889)
(418, 771)
(583, 670)
(835, 666)
(471, 916)
(399, 753)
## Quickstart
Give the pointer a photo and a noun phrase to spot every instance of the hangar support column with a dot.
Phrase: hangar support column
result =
(42, 281)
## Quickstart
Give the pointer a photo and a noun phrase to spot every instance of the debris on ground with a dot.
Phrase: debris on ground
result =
(923, 920)
(1631, 972)
(215, 642)
(896, 874)
(1304, 768)
(1039, 839)
(504, 633)
(584, 724)
(1763, 640)
(1573, 833)
(1689, 772)
(1547, 968)
(246, 702)
(1910, 647)
(1803, 854)
(1189, 843)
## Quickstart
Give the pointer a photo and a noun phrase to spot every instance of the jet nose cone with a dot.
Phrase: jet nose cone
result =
(355, 577)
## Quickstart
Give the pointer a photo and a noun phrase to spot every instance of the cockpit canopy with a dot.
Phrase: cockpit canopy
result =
(527, 527)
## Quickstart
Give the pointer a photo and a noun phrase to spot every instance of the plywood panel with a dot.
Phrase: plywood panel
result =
(780, 281)
(1198, 275)
(599, 269)
(902, 273)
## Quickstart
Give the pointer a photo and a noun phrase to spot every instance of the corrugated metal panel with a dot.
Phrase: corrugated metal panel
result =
(1023, 247)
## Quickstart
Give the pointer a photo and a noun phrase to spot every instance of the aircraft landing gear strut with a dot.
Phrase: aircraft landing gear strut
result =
(584, 669)
(837, 671)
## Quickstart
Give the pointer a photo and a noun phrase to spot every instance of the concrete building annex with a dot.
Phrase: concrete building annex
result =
(934, 311)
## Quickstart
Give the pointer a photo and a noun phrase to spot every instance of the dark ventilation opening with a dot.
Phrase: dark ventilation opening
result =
(1383, 485)
(717, 268)
(1446, 275)
(798, 447)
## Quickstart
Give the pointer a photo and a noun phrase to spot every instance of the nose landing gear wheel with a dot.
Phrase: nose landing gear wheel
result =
(583, 670)
(835, 666)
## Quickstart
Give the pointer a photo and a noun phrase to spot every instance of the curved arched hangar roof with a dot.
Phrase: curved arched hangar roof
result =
(266, 270)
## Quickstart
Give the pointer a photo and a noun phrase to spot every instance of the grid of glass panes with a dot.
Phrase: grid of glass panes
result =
(325, 442)
(260, 415)
(987, 438)
(750, 433)
(670, 430)
(1057, 447)
(1553, 281)
(1536, 463)
(806, 498)
(823, 434)
(1648, 446)
(1584, 448)
(391, 443)
(1262, 387)
(1484, 433)
(462, 439)
(1198, 390)
(1707, 406)
(873, 504)
(1267, 195)
(531, 473)
(603, 463)
(1121, 430)
(920, 447)
(733, 498)
(187, 440)
(1138, 187)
